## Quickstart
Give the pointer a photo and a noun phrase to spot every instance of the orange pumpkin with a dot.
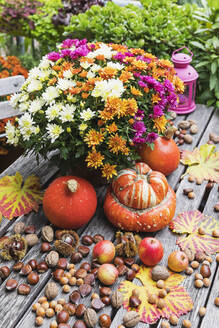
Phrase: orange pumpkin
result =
(140, 199)
(69, 202)
(164, 157)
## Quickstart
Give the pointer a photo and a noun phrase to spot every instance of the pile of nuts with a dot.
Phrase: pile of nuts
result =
(182, 133)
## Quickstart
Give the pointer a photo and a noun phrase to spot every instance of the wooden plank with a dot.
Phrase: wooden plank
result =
(183, 204)
(28, 165)
(6, 110)
(11, 84)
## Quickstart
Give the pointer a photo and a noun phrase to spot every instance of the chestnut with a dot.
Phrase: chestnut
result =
(4, 272)
(79, 324)
(17, 266)
(42, 267)
(104, 320)
(80, 309)
(33, 264)
(62, 317)
(11, 284)
(45, 247)
(33, 278)
(62, 263)
(25, 270)
(87, 240)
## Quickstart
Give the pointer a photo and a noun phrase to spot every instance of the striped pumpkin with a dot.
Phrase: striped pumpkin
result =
(140, 199)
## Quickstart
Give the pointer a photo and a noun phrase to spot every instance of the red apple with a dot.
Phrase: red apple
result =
(107, 274)
(104, 251)
(150, 251)
(178, 261)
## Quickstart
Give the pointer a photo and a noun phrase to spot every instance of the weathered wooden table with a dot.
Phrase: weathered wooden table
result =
(15, 310)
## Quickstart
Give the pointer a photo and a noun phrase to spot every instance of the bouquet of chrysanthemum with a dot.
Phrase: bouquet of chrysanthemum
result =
(95, 103)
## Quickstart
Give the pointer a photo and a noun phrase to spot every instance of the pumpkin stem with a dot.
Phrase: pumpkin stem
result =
(169, 132)
(72, 185)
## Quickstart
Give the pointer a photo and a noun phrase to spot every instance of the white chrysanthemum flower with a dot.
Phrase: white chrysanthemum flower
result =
(44, 63)
(90, 75)
(23, 107)
(44, 75)
(24, 97)
(50, 94)
(87, 114)
(95, 68)
(26, 133)
(116, 88)
(67, 74)
(54, 131)
(12, 134)
(67, 113)
(53, 111)
(36, 105)
(35, 85)
(85, 65)
(64, 84)
(83, 127)
(101, 89)
(15, 98)
(104, 50)
(25, 122)
(34, 73)
(115, 65)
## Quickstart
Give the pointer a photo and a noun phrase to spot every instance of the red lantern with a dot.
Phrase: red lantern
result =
(189, 76)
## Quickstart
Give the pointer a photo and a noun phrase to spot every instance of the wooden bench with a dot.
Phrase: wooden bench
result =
(8, 86)
(15, 310)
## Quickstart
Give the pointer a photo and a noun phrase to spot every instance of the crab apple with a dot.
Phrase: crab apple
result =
(107, 274)
(178, 261)
(104, 251)
(150, 251)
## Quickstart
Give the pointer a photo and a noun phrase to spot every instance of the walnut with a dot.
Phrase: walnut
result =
(51, 290)
(127, 244)
(47, 234)
(159, 272)
(117, 299)
(131, 319)
(67, 242)
(90, 318)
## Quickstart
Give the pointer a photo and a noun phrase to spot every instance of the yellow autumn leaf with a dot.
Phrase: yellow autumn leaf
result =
(18, 197)
(177, 301)
(203, 163)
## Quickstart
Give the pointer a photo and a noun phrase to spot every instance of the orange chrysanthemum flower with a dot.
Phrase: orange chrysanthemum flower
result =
(52, 81)
(108, 73)
(131, 106)
(155, 98)
(139, 64)
(112, 128)
(117, 144)
(100, 57)
(137, 51)
(83, 73)
(85, 95)
(165, 63)
(126, 76)
(94, 138)
(108, 171)
(179, 85)
(160, 123)
(86, 60)
(112, 107)
(119, 48)
(75, 91)
(94, 159)
(136, 92)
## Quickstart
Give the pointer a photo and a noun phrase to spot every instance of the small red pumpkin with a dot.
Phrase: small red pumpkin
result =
(140, 199)
(164, 157)
(69, 202)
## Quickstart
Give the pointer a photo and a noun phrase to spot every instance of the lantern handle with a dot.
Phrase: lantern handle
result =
(184, 47)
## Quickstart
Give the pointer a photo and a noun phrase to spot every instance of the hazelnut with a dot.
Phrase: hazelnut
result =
(200, 256)
(173, 320)
(194, 264)
(160, 284)
(191, 179)
(72, 281)
(45, 305)
(198, 276)
(63, 280)
(40, 311)
(206, 282)
(58, 308)
(70, 308)
(216, 301)
(61, 301)
(217, 258)
(35, 306)
(50, 313)
(135, 292)
(186, 323)
(165, 324)
(202, 311)
(152, 298)
(198, 283)
(189, 270)
(215, 233)
(52, 304)
(70, 266)
(53, 324)
(209, 259)
(201, 231)
(191, 195)
(162, 293)
(39, 321)
(94, 295)
(66, 289)
(42, 299)
(104, 321)
(161, 303)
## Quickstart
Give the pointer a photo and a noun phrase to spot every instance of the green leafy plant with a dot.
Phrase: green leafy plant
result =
(206, 48)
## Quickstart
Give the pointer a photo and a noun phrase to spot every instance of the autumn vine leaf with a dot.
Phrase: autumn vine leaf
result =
(177, 301)
(18, 197)
(203, 163)
(188, 223)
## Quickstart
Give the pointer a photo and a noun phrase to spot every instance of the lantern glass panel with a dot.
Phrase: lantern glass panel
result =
(184, 98)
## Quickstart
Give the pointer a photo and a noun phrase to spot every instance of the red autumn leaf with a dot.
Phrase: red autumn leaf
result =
(188, 223)
(177, 301)
(18, 197)
(203, 163)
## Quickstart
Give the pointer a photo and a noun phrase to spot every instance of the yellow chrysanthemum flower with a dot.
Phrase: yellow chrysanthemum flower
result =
(116, 144)
(94, 159)
(108, 171)
(93, 138)
(136, 92)
(112, 128)
(160, 123)
(112, 107)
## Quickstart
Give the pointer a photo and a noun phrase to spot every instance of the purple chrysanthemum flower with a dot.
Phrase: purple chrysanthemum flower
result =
(119, 56)
(53, 56)
(151, 137)
(139, 114)
(168, 86)
(138, 140)
(157, 111)
(139, 128)
(66, 53)
(67, 43)
(142, 84)
(148, 79)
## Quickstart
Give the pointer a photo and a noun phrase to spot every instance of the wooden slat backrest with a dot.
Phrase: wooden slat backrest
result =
(9, 86)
